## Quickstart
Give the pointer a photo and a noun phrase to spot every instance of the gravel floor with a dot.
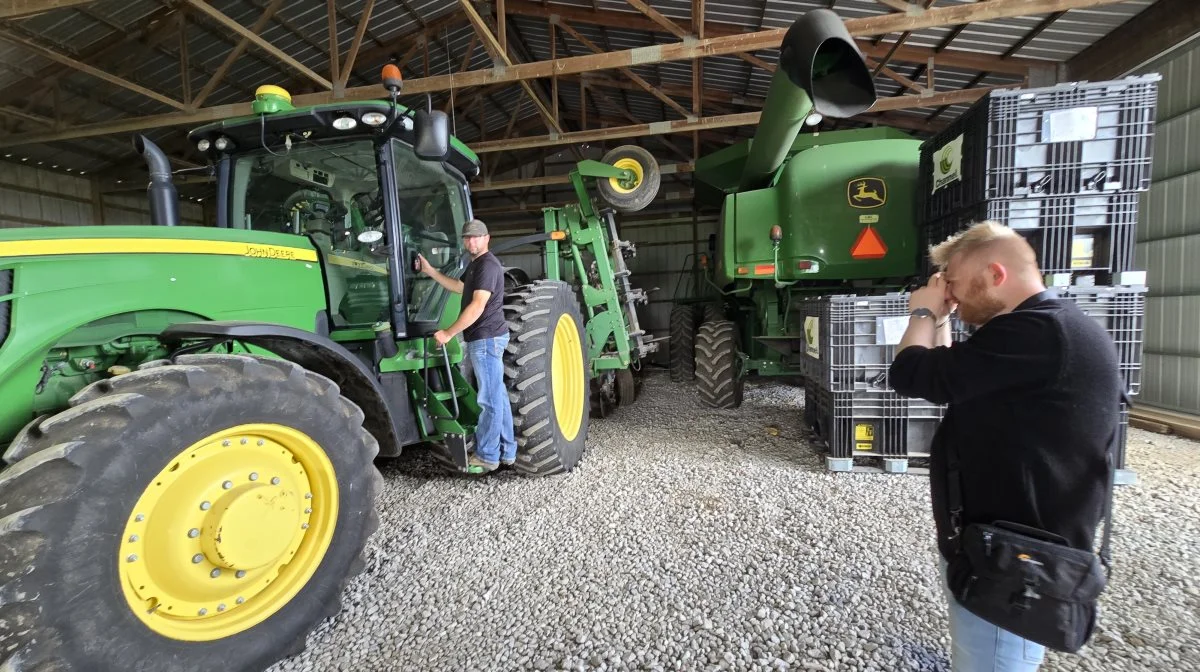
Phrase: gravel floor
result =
(691, 540)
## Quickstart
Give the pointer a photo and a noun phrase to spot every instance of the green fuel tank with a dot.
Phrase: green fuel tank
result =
(843, 201)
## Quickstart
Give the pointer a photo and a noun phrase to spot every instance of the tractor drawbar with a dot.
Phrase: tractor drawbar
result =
(164, 201)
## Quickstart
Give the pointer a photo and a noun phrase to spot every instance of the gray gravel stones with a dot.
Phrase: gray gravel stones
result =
(692, 539)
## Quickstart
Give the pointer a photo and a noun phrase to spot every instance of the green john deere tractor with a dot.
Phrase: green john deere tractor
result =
(800, 215)
(192, 414)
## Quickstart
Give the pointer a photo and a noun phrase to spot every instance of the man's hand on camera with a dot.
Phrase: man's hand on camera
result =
(933, 297)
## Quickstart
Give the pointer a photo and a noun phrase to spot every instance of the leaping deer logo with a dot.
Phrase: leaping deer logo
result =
(866, 192)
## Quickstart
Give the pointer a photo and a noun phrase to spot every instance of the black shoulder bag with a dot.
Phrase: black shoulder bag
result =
(1027, 581)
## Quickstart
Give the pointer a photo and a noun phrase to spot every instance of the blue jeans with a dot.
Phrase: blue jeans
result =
(494, 434)
(979, 646)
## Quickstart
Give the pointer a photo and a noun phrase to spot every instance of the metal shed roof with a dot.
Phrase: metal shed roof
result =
(140, 41)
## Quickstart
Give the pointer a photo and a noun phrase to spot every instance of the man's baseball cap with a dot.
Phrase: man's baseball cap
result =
(475, 228)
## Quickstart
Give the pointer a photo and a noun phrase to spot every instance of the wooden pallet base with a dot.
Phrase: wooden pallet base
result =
(1165, 422)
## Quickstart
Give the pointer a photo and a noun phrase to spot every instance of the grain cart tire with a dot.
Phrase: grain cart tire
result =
(682, 344)
(164, 520)
(718, 368)
(631, 198)
(546, 371)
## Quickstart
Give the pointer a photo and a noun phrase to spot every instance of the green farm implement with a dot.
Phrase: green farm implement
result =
(192, 414)
(801, 214)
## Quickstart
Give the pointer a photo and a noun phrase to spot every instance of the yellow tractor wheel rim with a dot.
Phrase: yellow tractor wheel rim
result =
(627, 164)
(567, 377)
(229, 532)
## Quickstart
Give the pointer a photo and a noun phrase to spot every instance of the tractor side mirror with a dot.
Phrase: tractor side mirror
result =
(433, 135)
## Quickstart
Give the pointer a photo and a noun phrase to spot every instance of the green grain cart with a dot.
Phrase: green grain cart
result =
(191, 415)
(800, 215)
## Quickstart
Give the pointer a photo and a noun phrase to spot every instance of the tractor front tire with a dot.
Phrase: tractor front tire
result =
(546, 372)
(192, 516)
(718, 367)
(682, 342)
(648, 179)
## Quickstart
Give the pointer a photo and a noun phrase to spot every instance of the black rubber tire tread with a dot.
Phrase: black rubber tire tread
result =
(627, 388)
(514, 277)
(644, 193)
(713, 312)
(65, 503)
(23, 444)
(532, 313)
(718, 378)
(681, 346)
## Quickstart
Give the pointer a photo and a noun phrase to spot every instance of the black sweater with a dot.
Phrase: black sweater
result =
(1033, 407)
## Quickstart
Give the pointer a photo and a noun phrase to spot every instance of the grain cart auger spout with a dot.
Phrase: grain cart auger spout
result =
(800, 213)
(192, 413)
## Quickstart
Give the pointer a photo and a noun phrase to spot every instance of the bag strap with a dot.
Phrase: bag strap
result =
(954, 494)
(1110, 459)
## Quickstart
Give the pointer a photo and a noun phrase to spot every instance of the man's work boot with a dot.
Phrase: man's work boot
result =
(478, 466)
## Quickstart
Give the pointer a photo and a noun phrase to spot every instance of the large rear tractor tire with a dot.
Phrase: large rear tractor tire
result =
(635, 195)
(193, 516)
(546, 371)
(682, 342)
(719, 377)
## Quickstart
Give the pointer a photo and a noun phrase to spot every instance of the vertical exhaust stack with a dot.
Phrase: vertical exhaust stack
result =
(820, 70)
(164, 200)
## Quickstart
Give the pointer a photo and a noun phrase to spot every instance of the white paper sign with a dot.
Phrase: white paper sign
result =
(1074, 125)
(892, 329)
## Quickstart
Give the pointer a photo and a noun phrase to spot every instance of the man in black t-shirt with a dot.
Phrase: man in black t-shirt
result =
(482, 324)
(1033, 401)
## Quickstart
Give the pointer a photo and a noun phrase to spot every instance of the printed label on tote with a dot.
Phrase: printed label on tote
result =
(947, 164)
(812, 346)
(864, 436)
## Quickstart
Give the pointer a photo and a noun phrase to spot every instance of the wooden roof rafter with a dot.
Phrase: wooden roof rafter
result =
(674, 51)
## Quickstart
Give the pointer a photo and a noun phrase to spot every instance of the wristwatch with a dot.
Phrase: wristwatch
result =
(925, 312)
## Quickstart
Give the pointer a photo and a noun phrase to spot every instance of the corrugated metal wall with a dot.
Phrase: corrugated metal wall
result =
(134, 209)
(1169, 240)
(664, 245)
(30, 196)
(33, 197)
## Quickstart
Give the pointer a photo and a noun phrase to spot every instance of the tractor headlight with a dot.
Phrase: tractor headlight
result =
(374, 118)
(203, 145)
(344, 123)
(223, 143)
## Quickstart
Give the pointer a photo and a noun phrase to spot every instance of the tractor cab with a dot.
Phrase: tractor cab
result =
(371, 184)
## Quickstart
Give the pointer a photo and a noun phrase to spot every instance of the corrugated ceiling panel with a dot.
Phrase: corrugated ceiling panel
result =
(209, 44)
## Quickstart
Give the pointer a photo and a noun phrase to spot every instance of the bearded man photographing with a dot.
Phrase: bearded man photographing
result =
(1023, 452)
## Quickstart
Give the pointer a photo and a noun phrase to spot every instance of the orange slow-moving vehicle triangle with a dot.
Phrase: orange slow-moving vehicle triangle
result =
(868, 245)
